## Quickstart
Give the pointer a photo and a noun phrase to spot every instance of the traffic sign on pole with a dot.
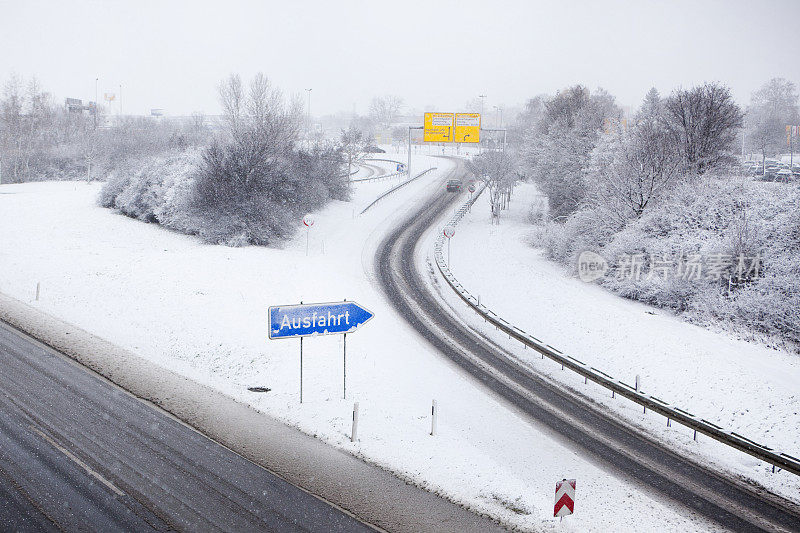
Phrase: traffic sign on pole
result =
(291, 321)
(438, 127)
(308, 221)
(468, 128)
(565, 498)
(449, 231)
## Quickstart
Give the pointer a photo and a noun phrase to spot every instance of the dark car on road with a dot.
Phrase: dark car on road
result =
(453, 185)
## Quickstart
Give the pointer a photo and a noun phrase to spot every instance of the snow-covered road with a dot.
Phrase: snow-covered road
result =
(200, 310)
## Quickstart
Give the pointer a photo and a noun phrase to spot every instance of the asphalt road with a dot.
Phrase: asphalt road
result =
(78, 453)
(590, 430)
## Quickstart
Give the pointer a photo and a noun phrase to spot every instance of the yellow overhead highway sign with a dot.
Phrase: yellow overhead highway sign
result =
(438, 127)
(468, 128)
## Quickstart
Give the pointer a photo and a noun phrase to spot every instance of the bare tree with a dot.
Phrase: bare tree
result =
(12, 106)
(630, 167)
(703, 123)
(353, 144)
(771, 108)
(498, 170)
(384, 109)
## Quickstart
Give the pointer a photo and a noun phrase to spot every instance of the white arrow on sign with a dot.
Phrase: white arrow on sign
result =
(308, 220)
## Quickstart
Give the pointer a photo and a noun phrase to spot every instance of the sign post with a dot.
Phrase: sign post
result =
(304, 320)
(308, 221)
(449, 231)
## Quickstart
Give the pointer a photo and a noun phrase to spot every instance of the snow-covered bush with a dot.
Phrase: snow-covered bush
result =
(153, 192)
(247, 187)
(702, 217)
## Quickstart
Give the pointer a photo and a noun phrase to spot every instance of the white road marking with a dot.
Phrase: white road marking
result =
(77, 461)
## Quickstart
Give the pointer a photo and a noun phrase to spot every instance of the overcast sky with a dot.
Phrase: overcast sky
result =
(172, 55)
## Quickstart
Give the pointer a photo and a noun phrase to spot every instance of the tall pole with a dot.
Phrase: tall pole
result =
(344, 365)
(96, 80)
(301, 369)
(480, 137)
(409, 152)
(308, 127)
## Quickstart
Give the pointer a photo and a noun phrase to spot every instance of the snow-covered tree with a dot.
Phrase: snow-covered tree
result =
(703, 122)
(557, 150)
(498, 170)
(772, 107)
(631, 167)
(384, 109)
(353, 144)
(252, 183)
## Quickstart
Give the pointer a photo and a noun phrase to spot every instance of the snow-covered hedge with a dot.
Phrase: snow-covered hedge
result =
(706, 216)
(182, 191)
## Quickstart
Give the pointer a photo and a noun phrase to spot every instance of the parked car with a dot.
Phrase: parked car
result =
(784, 175)
(453, 185)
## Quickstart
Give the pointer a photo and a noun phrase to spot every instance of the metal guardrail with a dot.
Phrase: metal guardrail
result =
(385, 160)
(381, 177)
(776, 459)
(390, 191)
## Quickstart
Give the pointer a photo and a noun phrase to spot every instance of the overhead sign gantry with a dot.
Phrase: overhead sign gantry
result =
(452, 127)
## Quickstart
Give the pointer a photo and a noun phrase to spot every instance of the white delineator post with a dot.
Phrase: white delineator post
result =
(354, 432)
(434, 417)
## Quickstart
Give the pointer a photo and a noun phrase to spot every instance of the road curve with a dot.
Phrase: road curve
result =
(588, 429)
(78, 453)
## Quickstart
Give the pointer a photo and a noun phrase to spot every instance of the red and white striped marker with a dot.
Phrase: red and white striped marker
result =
(565, 498)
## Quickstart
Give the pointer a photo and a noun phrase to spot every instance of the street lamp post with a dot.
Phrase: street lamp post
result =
(308, 130)
(500, 114)
(480, 138)
(96, 80)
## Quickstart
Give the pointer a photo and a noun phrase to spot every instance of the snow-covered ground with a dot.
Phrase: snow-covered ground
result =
(743, 387)
(201, 310)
